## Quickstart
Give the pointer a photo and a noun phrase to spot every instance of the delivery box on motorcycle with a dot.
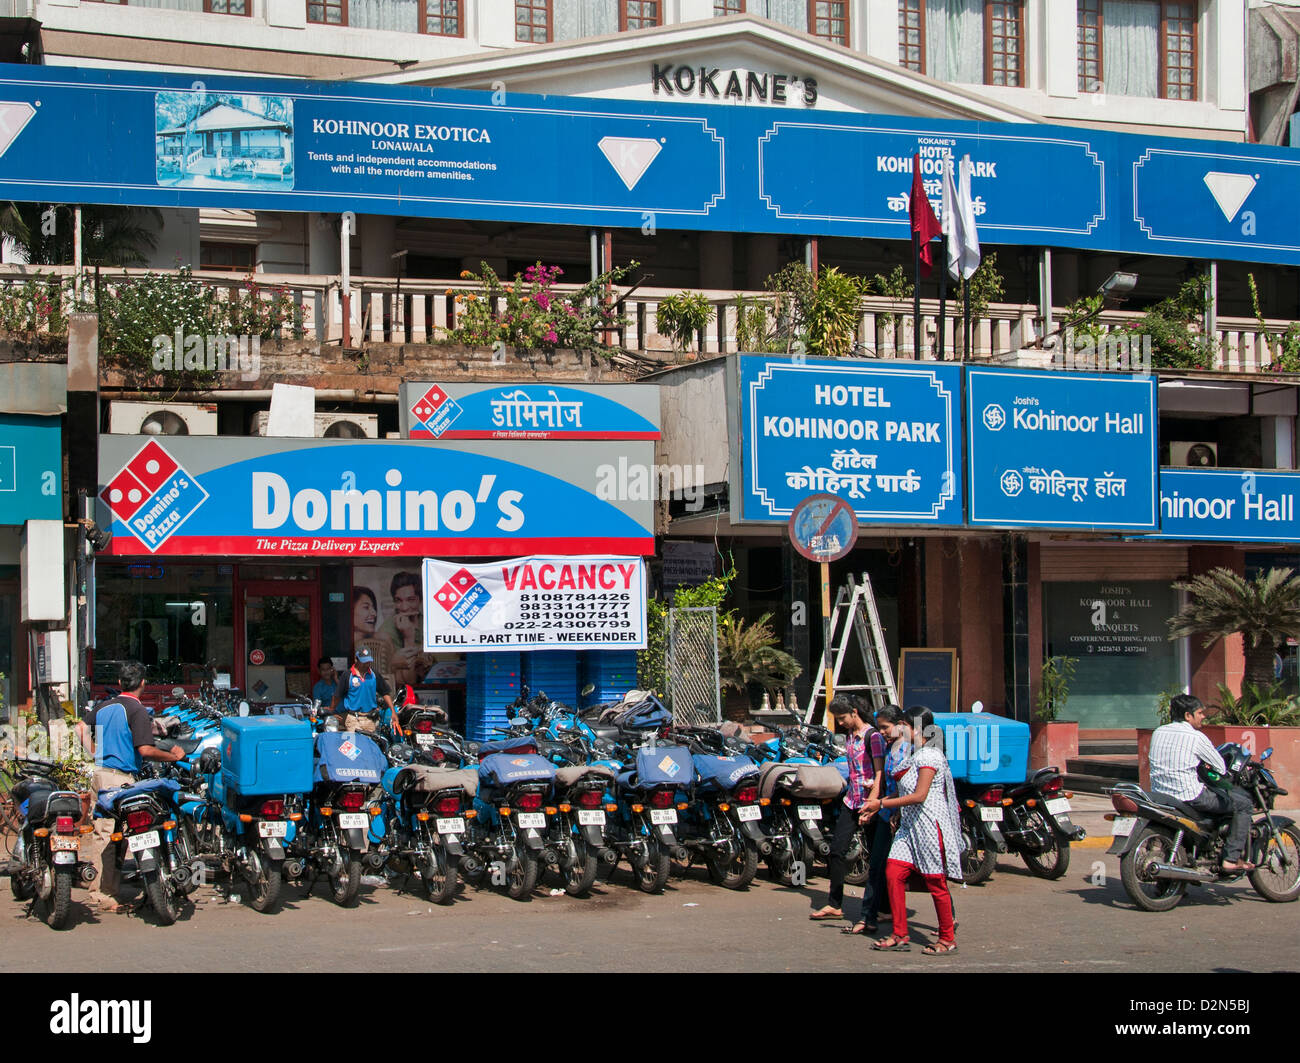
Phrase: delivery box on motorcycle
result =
(345, 757)
(266, 755)
(664, 765)
(983, 748)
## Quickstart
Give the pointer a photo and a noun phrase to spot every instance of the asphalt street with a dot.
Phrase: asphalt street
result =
(1013, 923)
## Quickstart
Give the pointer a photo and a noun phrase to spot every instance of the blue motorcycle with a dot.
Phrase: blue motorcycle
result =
(647, 810)
(509, 832)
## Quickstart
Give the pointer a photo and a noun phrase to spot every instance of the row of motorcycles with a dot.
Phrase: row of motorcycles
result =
(565, 792)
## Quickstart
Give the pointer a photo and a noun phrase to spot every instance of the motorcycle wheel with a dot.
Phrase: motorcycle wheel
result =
(736, 872)
(652, 876)
(1151, 895)
(161, 899)
(977, 863)
(521, 878)
(581, 875)
(858, 868)
(1052, 862)
(345, 887)
(21, 890)
(264, 889)
(1283, 884)
(58, 905)
(438, 876)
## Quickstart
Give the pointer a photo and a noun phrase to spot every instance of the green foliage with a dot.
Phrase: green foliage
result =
(749, 653)
(533, 315)
(110, 236)
(650, 661)
(1287, 360)
(1260, 705)
(1082, 316)
(986, 284)
(832, 317)
(1174, 345)
(1054, 687)
(38, 305)
(894, 285)
(682, 317)
(792, 290)
(756, 325)
(1162, 705)
(72, 770)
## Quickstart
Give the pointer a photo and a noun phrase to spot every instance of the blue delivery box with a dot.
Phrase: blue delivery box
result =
(983, 748)
(267, 755)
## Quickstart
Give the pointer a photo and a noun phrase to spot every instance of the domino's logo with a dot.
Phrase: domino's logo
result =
(153, 496)
(435, 411)
(463, 597)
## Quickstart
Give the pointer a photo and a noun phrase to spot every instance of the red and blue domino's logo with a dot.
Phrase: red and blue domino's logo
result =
(434, 411)
(153, 496)
(462, 596)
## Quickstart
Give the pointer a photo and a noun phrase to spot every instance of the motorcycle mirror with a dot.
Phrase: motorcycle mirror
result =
(977, 706)
(589, 688)
(1266, 754)
(243, 708)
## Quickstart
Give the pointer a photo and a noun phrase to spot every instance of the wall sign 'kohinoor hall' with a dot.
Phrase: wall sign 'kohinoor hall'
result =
(713, 83)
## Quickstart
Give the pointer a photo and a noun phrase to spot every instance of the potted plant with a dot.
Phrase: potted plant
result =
(1052, 742)
(750, 662)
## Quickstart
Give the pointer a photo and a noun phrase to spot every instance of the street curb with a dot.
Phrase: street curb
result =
(1098, 842)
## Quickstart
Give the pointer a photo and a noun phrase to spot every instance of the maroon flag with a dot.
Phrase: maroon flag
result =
(925, 226)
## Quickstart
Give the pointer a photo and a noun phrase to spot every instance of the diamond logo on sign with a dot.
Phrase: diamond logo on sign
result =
(994, 417)
(630, 157)
(13, 120)
(1012, 484)
(435, 411)
(463, 597)
(1230, 190)
(153, 496)
(669, 767)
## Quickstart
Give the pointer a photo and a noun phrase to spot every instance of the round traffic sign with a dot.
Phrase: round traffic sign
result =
(257, 657)
(823, 528)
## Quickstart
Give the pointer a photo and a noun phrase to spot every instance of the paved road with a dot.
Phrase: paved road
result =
(1013, 923)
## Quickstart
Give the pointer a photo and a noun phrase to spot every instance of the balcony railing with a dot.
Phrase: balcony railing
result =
(386, 310)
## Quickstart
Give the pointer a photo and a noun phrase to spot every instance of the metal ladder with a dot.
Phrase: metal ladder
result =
(857, 601)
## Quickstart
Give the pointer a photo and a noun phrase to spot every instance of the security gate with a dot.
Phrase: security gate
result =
(692, 666)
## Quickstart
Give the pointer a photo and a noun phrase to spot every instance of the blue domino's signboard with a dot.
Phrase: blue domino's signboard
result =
(1234, 505)
(31, 464)
(157, 139)
(1061, 450)
(879, 435)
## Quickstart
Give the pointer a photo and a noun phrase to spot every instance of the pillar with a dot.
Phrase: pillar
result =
(1225, 660)
(762, 259)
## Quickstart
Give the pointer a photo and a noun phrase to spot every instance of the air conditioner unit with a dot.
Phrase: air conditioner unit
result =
(1194, 455)
(331, 425)
(162, 419)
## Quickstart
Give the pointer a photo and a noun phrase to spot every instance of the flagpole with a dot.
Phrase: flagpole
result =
(943, 295)
(916, 296)
(965, 351)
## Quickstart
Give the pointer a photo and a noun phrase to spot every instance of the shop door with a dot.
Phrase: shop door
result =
(281, 636)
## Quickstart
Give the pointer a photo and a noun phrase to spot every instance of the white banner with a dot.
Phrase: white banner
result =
(535, 603)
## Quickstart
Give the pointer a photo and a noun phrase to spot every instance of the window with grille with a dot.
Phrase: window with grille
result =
(637, 14)
(533, 21)
(329, 12)
(236, 258)
(911, 35)
(728, 7)
(830, 21)
(227, 7)
(1004, 43)
(1138, 48)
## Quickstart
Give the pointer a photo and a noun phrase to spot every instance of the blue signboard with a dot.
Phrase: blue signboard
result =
(880, 435)
(1061, 450)
(529, 411)
(31, 467)
(158, 139)
(1229, 505)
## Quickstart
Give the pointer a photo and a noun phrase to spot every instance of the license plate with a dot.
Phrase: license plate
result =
(147, 840)
(536, 820)
(1057, 805)
(455, 825)
(424, 740)
(272, 828)
(1122, 826)
(590, 819)
(659, 816)
(745, 813)
(810, 812)
(353, 820)
(991, 815)
(69, 844)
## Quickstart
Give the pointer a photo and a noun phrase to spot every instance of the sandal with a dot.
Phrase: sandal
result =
(1236, 868)
(892, 944)
(939, 948)
(825, 914)
(856, 928)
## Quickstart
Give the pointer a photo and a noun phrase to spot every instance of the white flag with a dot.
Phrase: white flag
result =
(959, 222)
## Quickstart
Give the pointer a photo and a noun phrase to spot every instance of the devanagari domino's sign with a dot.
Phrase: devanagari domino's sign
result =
(1061, 450)
(535, 603)
(879, 435)
(532, 411)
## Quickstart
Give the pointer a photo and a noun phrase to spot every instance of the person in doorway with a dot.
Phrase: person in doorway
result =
(1177, 750)
(865, 750)
(118, 736)
(323, 690)
(928, 841)
(360, 693)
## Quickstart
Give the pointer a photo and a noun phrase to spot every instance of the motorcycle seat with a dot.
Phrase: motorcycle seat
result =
(1203, 821)
(109, 800)
(570, 775)
(770, 776)
(185, 745)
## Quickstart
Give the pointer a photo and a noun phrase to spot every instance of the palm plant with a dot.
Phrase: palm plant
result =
(110, 236)
(1264, 611)
(747, 653)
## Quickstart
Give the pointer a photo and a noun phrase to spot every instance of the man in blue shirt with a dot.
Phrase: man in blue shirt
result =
(118, 734)
(323, 691)
(358, 696)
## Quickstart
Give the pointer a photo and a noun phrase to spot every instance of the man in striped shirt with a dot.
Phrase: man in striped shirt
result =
(1177, 749)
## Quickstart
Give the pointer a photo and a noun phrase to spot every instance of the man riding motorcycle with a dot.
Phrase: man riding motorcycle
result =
(359, 692)
(1177, 750)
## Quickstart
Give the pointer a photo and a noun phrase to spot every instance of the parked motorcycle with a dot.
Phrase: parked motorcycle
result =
(1037, 824)
(645, 815)
(983, 809)
(799, 793)
(1164, 844)
(507, 836)
(46, 855)
(427, 817)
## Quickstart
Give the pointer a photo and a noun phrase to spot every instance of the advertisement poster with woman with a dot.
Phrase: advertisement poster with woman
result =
(388, 617)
